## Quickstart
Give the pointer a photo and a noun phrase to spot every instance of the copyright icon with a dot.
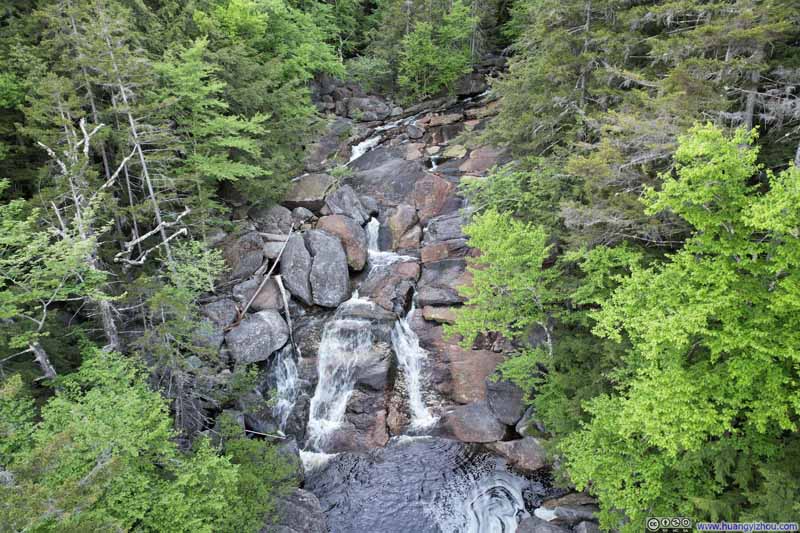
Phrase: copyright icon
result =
(652, 524)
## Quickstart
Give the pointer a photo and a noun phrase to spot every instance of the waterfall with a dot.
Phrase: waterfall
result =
(285, 381)
(363, 147)
(345, 342)
(376, 258)
(412, 358)
(373, 227)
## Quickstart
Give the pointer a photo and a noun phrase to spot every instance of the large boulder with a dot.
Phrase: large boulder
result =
(436, 251)
(384, 174)
(328, 145)
(441, 280)
(474, 422)
(296, 268)
(445, 227)
(309, 191)
(273, 219)
(329, 278)
(243, 254)
(257, 337)
(400, 220)
(345, 201)
(269, 296)
(505, 400)
(299, 512)
(469, 370)
(482, 159)
(352, 235)
(368, 109)
(533, 524)
(526, 453)
(222, 312)
(433, 196)
(391, 286)
(457, 373)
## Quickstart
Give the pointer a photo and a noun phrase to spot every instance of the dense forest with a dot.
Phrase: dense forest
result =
(638, 245)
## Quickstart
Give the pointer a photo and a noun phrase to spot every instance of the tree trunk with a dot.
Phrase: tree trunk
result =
(138, 147)
(48, 370)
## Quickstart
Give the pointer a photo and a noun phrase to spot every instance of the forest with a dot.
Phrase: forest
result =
(632, 253)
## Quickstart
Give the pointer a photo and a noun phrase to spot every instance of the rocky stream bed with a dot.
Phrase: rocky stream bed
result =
(398, 428)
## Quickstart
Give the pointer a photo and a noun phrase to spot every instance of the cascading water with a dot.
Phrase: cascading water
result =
(345, 341)
(285, 380)
(412, 359)
(363, 147)
(373, 228)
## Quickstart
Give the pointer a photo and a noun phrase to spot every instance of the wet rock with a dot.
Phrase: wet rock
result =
(526, 453)
(368, 109)
(505, 399)
(300, 512)
(391, 286)
(474, 422)
(399, 221)
(373, 372)
(414, 131)
(309, 191)
(257, 337)
(296, 268)
(269, 297)
(433, 196)
(243, 254)
(481, 160)
(329, 278)
(439, 314)
(345, 201)
(222, 312)
(352, 236)
(533, 524)
(274, 219)
(441, 280)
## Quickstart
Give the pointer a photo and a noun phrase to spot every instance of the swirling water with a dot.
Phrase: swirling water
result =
(425, 485)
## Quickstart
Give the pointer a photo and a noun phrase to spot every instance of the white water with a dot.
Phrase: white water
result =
(363, 147)
(314, 460)
(345, 342)
(284, 375)
(412, 358)
(480, 502)
(373, 227)
(376, 258)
